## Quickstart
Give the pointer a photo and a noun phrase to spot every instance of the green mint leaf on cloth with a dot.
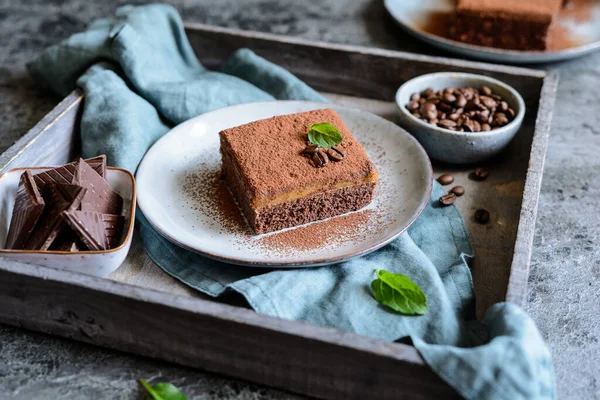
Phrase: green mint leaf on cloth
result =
(324, 135)
(399, 293)
(163, 391)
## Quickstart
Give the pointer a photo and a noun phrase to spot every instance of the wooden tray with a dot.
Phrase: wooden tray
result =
(142, 310)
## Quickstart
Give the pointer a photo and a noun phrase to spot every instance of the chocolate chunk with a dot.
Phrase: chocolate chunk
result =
(97, 231)
(67, 240)
(28, 208)
(100, 197)
(58, 198)
(65, 173)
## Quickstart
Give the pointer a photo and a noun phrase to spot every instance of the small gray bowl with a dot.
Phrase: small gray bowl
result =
(452, 146)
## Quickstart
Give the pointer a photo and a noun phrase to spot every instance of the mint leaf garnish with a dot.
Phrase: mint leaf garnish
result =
(399, 293)
(163, 391)
(324, 135)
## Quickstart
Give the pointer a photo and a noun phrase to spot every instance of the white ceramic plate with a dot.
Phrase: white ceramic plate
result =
(178, 191)
(414, 15)
(98, 263)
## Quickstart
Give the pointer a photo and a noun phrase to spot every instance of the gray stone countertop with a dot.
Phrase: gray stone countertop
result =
(565, 272)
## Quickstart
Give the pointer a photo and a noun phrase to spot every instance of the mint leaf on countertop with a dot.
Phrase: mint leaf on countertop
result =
(399, 293)
(163, 391)
(324, 134)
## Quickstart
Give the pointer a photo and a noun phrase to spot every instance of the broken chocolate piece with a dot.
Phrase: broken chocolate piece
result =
(58, 198)
(67, 240)
(65, 173)
(100, 197)
(28, 208)
(97, 231)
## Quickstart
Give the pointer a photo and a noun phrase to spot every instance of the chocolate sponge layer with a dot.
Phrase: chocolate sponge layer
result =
(313, 208)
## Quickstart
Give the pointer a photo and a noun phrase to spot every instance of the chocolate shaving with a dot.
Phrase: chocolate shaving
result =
(28, 208)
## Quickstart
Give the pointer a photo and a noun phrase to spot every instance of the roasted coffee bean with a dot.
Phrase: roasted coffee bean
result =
(310, 149)
(445, 179)
(483, 115)
(480, 174)
(447, 199)
(444, 107)
(427, 92)
(499, 119)
(449, 98)
(488, 102)
(320, 159)
(446, 123)
(482, 216)
(470, 109)
(429, 110)
(458, 190)
(335, 153)
(413, 106)
(471, 104)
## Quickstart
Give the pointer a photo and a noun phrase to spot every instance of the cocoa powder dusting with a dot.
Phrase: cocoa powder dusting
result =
(208, 195)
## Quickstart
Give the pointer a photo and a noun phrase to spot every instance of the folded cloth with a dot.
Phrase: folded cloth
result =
(141, 76)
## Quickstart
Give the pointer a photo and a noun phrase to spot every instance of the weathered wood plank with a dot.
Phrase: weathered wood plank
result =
(52, 141)
(316, 361)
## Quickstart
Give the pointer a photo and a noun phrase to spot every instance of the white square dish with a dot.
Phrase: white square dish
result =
(98, 263)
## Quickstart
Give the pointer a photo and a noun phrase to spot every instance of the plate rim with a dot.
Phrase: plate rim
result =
(309, 263)
(491, 53)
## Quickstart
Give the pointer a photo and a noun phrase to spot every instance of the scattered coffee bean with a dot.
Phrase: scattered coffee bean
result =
(448, 199)
(445, 179)
(482, 216)
(458, 190)
(483, 110)
(480, 174)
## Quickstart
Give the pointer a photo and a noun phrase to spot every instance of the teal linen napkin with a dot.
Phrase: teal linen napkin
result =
(141, 77)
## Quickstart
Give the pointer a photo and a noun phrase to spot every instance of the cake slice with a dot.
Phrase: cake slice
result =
(279, 180)
(506, 24)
